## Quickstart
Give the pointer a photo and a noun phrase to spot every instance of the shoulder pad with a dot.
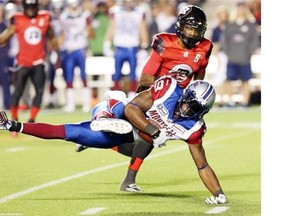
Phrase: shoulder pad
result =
(158, 44)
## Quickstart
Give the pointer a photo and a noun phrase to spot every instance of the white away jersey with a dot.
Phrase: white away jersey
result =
(165, 93)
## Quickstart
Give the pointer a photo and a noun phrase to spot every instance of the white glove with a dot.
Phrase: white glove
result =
(220, 199)
(160, 141)
(107, 51)
(53, 57)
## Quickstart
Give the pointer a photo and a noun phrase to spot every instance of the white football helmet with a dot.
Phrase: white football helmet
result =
(199, 97)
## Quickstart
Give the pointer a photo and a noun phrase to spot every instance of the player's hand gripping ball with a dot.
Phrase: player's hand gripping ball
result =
(146, 137)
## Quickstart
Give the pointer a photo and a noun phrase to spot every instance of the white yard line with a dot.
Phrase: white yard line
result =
(217, 210)
(92, 211)
(16, 149)
(107, 167)
(10, 214)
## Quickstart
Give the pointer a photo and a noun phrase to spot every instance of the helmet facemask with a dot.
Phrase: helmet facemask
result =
(191, 25)
(196, 100)
(197, 29)
(192, 109)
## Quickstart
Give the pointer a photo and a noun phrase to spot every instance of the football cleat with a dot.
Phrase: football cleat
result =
(80, 148)
(131, 188)
(118, 126)
(5, 124)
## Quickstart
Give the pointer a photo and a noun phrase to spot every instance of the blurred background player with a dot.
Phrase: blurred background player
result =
(76, 23)
(240, 42)
(4, 72)
(127, 33)
(219, 78)
(54, 58)
(32, 27)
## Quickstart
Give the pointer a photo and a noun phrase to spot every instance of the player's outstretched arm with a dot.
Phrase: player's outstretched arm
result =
(7, 34)
(207, 175)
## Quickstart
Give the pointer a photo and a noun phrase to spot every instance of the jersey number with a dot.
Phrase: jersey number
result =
(160, 84)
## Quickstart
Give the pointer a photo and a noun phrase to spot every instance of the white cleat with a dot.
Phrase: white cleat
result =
(69, 109)
(131, 188)
(118, 126)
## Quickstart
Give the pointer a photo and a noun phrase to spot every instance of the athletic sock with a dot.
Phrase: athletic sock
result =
(33, 113)
(44, 131)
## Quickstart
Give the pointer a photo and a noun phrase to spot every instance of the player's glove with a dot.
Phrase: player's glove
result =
(161, 139)
(220, 199)
(107, 50)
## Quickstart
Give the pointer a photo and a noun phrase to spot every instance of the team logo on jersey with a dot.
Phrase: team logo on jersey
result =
(157, 115)
(197, 57)
(181, 72)
(32, 35)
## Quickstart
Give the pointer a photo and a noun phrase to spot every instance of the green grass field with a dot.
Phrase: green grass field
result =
(47, 177)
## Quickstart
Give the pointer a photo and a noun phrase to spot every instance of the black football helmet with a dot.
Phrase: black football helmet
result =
(191, 17)
(30, 7)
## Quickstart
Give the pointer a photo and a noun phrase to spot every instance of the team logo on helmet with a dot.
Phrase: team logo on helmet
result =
(184, 11)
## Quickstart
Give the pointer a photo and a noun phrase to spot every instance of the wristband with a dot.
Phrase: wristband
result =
(150, 129)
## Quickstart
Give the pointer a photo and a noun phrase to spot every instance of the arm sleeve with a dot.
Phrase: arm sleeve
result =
(153, 64)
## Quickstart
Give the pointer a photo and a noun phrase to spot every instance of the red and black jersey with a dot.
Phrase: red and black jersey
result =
(168, 57)
(31, 34)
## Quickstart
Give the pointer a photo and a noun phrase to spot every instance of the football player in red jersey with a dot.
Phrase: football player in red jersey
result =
(31, 27)
(184, 55)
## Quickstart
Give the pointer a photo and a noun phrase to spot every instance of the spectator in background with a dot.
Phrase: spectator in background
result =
(127, 32)
(153, 26)
(100, 23)
(167, 15)
(76, 29)
(4, 72)
(255, 7)
(172, 28)
(32, 54)
(222, 16)
(240, 41)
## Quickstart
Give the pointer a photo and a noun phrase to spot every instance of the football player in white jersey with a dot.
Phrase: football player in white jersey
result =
(76, 26)
(178, 113)
(128, 33)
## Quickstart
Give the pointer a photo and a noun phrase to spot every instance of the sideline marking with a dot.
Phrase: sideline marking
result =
(81, 174)
(92, 211)
(217, 210)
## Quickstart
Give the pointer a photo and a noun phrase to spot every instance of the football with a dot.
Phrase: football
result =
(146, 137)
